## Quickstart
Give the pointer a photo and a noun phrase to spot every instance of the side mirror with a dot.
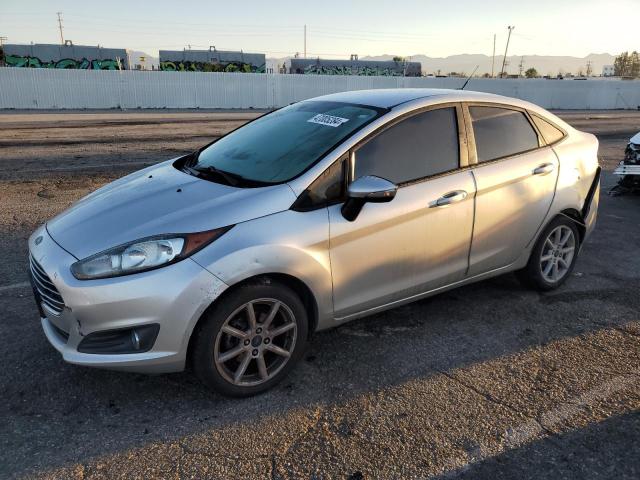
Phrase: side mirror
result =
(367, 189)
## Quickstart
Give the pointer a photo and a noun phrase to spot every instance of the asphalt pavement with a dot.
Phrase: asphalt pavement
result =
(491, 380)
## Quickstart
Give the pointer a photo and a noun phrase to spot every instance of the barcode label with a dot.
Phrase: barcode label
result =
(328, 120)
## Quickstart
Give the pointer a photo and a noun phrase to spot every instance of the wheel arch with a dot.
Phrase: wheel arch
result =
(571, 213)
(576, 216)
(298, 286)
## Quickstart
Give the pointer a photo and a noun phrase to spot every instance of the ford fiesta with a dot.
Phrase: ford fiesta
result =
(331, 209)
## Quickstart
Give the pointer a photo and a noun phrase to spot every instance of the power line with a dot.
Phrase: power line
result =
(351, 33)
(101, 26)
(136, 23)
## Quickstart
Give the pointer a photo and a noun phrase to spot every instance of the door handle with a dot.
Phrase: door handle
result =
(544, 169)
(451, 197)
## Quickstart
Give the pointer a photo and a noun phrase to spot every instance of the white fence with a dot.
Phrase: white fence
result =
(80, 89)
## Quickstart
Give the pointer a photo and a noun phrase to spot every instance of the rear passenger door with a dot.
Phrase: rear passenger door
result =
(515, 178)
(418, 241)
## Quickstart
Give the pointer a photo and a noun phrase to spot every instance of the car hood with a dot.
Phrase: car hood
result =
(159, 200)
(635, 139)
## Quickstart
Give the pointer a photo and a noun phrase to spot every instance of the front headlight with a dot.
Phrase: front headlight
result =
(144, 254)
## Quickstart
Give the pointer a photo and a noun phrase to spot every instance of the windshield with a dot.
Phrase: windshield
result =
(281, 145)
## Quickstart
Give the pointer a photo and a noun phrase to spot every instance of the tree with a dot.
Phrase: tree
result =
(398, 59)
(627, 65)
(635, 64)
(531, 73)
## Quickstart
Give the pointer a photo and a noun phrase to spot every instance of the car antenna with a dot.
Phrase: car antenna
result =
(465, 83)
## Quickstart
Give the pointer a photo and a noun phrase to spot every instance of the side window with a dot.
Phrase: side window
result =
(422, 145)
(500, 132)
(327, 189)
(550, 132)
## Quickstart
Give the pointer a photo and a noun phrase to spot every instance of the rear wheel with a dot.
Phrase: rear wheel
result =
(553, 257)
(251, 339)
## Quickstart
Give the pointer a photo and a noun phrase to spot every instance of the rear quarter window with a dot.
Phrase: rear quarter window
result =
(549, 131)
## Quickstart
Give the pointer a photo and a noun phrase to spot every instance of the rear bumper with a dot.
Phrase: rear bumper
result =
(173, 297)
(590, 208)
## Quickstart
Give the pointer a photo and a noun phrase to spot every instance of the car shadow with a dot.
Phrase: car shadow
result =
(609, 449)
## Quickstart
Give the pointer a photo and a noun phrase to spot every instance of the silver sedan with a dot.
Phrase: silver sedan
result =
(229, 258)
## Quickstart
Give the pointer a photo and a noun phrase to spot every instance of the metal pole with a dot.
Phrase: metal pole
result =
(505, 51)
(493, 57)
(60, 27)
(521, 67)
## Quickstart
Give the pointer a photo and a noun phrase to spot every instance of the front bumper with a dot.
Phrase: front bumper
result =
(173, 297)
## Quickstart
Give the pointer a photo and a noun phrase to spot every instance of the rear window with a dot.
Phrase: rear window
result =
(281, 145)
(550, 132)
(501, 132)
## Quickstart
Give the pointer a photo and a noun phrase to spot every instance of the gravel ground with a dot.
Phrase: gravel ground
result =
(488, 381)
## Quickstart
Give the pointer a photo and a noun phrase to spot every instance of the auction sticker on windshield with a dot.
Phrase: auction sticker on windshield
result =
(328, 120)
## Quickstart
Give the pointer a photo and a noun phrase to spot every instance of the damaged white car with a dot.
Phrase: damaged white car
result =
(629, 168)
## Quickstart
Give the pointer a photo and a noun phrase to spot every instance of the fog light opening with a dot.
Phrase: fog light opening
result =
(135, 339)
(125, 340)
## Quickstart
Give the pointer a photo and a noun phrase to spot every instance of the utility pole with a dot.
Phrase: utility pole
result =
(2, 40)
(504, 60)
(305, 41)
(60, 27)
(493, 56)
(521, 66)
(589, 68)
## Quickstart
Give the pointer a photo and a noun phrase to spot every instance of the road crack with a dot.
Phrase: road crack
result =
(496, 401)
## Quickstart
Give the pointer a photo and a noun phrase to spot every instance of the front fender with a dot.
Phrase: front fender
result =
(288, 242)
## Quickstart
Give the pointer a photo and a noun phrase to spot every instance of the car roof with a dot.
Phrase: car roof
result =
(391, 97)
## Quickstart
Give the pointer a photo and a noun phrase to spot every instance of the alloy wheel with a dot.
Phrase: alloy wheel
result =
(557, 253)
(255, 342)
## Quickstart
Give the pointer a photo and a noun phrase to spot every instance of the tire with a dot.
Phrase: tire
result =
(539, 272)
(226, 345)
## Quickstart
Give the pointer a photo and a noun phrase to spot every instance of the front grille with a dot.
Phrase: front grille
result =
(45, 289)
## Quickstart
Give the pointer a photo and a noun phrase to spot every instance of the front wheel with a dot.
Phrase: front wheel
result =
(251, 339)
(553, 256)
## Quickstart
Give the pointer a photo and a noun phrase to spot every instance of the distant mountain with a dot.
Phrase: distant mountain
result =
(466, 63)
(545, 65)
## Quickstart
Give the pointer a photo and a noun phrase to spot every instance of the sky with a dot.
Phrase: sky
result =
(335, 28)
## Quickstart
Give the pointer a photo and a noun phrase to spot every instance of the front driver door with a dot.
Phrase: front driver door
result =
(412, 244)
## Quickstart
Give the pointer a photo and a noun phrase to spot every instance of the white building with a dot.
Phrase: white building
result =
(607, 70)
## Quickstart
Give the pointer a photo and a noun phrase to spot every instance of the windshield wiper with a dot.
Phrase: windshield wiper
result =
(230, 178)
(191, 167)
